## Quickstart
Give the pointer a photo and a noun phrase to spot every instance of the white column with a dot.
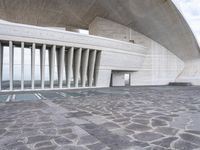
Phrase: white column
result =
(58, 54)
(49, 55)
(84, 66)
(11, 64)
(42, 64)
(22, 65)
(77, 63)
(52, 65)
(33, 66)
(68, 66)
(92, 58)
(61, 66)
(1, 65)
(97, 64)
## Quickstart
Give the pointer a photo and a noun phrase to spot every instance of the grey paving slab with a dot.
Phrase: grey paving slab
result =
(73, 94)
(51, 95)
(134, 118)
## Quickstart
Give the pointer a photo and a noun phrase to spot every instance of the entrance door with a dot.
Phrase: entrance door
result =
(127, 79)
(120, 78)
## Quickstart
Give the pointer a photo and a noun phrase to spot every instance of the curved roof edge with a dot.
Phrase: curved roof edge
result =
(167, 26)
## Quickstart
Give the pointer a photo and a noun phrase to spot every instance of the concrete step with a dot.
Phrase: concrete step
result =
(180, 84)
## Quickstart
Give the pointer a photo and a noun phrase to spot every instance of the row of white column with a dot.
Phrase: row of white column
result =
(78, 63)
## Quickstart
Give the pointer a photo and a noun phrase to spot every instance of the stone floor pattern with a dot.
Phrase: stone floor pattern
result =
(134, 118)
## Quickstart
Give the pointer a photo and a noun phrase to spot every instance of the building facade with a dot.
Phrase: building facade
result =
(129, 43)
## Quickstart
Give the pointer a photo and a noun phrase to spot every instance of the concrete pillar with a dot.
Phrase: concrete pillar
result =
(42, 65)
(132, 78)
(22, 65)
(1, 65)
(61, 56)
(68, 66)
(84, 66)
(52, 65)
(76, 66)
(104, 78)
(92, 58)
(49, 55)
(58, 55)
(11, 64)
(33, 66)
(97, 64)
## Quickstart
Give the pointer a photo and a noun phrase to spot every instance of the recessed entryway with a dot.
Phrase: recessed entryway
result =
(127, 79)
(120, 78)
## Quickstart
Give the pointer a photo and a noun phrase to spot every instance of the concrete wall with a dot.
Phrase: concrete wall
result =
(191, 72)
(160, 66)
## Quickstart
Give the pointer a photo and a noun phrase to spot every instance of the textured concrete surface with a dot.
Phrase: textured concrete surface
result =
(135, 118)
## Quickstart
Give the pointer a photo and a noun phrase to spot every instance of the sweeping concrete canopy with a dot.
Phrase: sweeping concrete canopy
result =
(158, 19)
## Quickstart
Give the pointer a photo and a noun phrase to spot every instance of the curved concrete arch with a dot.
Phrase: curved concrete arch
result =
(160, 20)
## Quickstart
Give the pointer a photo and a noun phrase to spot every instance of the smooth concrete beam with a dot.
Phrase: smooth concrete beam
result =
(42, 64)
(11, 64)
(76, 65)
(84, 66)
(33, 66)
(68, 66)
(92, 58)
(22, 65)
(61, 66)
(52, 65)
(1, 65)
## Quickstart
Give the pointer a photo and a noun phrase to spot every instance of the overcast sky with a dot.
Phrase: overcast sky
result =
(191, 11)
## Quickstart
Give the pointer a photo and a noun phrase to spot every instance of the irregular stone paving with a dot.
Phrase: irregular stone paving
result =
(134, 118)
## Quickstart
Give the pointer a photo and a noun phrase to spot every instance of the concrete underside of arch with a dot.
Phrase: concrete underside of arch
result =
(173, 49)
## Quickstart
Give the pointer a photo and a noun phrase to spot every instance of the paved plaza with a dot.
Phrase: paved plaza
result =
(128, 118)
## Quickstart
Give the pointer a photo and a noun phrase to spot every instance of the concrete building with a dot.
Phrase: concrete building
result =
(147, 40)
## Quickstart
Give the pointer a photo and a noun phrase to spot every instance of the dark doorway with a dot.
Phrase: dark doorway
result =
(127, 79)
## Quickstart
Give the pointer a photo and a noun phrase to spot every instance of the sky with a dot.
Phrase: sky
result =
(191, 12)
